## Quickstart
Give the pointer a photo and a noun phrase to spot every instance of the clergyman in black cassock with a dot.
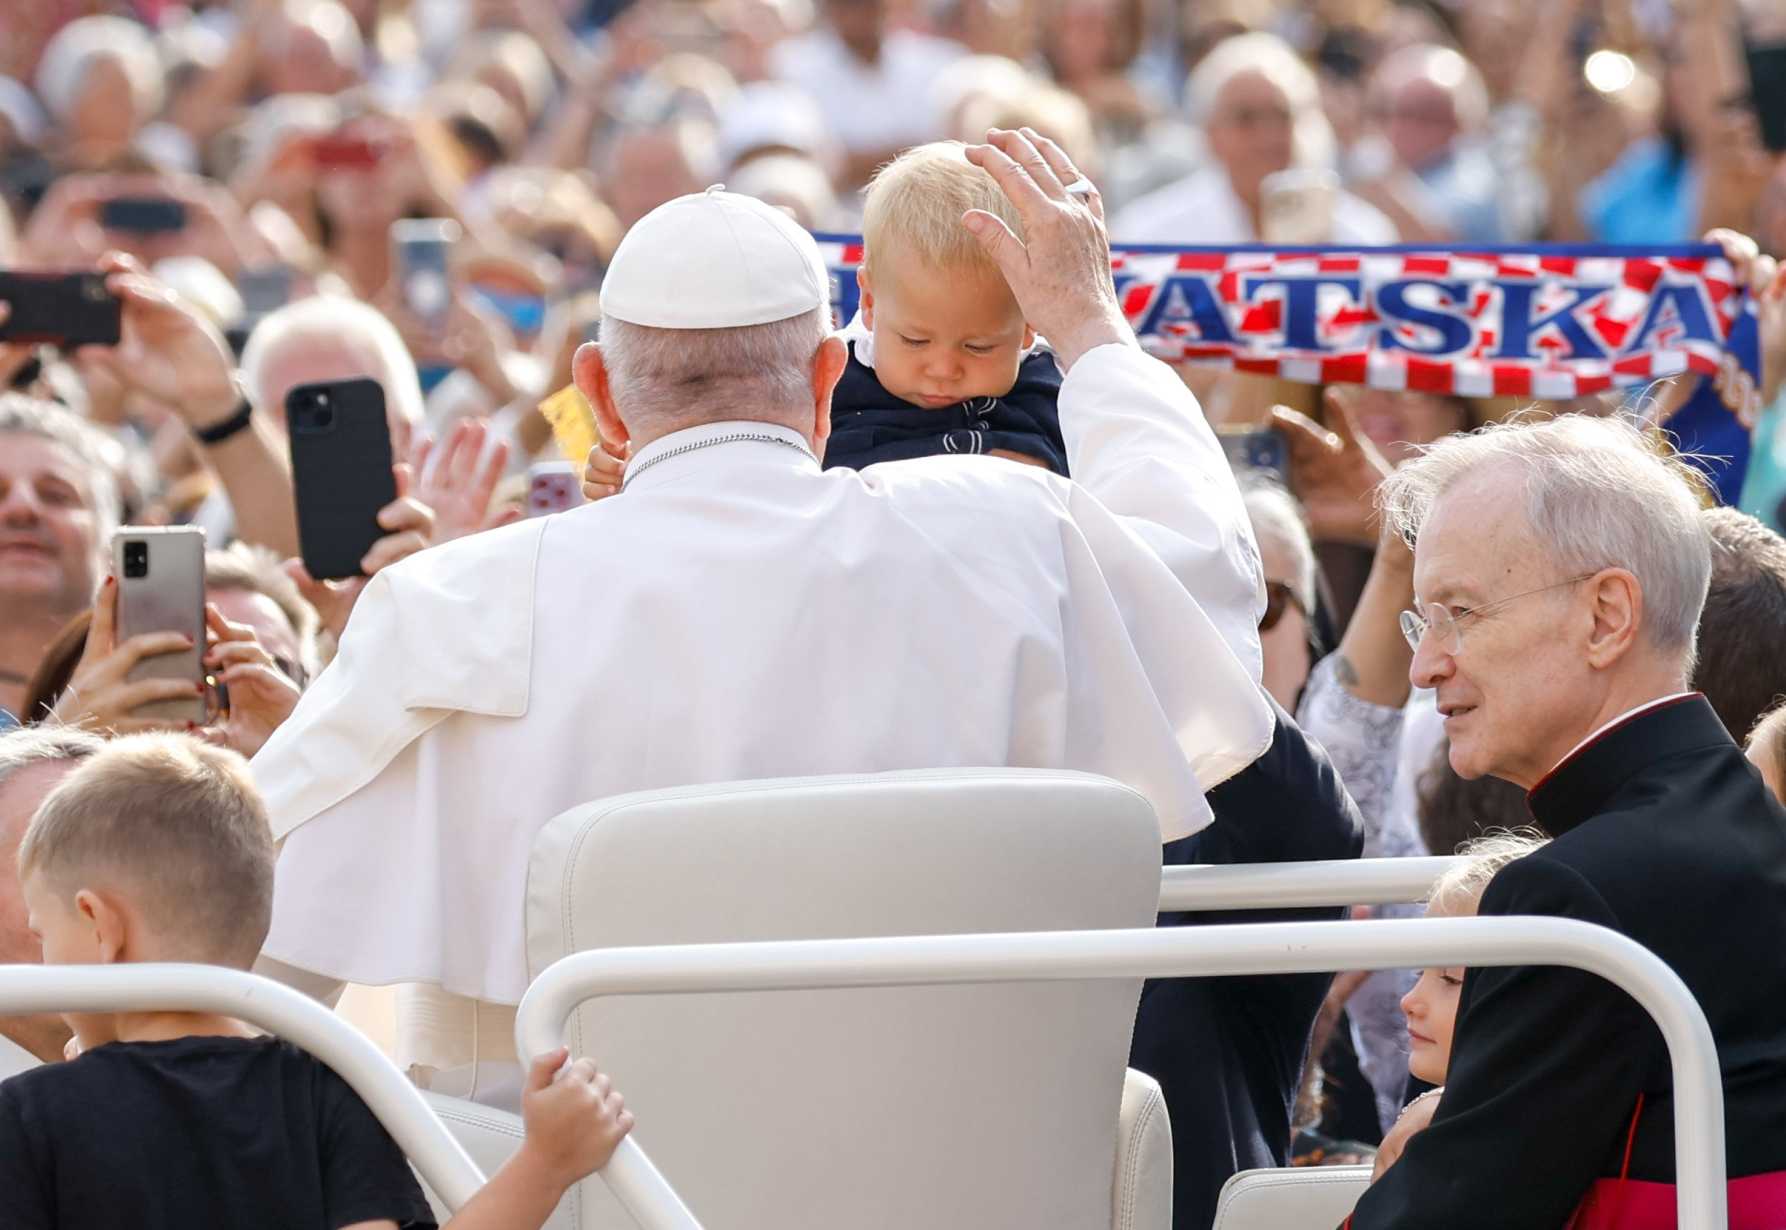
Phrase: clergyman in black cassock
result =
(1664, 833)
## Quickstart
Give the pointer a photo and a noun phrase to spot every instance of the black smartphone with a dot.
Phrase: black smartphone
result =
(1767, 81)
(341, 472)
(67, 309)
(1258, 449)
(142, 215)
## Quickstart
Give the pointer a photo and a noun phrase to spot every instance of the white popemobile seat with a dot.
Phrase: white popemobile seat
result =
(940, 1107)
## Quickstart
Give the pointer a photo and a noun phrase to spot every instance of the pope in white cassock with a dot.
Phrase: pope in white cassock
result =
(738, 613)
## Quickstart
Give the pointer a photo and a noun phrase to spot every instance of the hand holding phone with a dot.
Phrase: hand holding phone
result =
(142, 667)
(143, 215)
(1249, 448)
(341, 472)
(63, 309)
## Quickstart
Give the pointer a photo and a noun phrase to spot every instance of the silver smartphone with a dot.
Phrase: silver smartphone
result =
(161, 588)
(422, 251)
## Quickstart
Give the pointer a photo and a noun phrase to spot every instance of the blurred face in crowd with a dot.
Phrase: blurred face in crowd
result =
(860, 24)
(1513, 693)
(649, 168)
(104, 111)
(1251, 130)
(1080, 38)
(1398, 421)
(49, 549)
(20, 793)
(1421, 123)
(310, 359)
(942, 337)
(1283, 633)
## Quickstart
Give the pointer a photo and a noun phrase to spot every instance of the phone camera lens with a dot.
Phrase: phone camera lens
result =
(136, 558)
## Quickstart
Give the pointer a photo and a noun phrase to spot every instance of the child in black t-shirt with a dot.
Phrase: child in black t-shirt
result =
(941, 359)
(158, 849)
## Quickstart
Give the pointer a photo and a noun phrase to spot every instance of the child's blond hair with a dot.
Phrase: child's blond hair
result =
(1769, 734)
(914, 206)
(180, 824)
(1459, 891)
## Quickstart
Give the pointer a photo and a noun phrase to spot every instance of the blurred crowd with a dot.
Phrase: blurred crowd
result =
(240, 172)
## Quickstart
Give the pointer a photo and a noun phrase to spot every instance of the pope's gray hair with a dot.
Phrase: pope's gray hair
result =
(680, 377)
(1597, 494)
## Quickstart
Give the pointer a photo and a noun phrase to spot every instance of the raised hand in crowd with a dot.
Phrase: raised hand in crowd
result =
(172, 355)
(1333, 472)
(409, 526)
(259, 695)
(458, 479)
(100, 696)
(1741, 393)
(468, 338)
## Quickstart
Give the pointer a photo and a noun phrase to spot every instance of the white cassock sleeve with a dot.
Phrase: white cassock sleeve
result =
(1137, 440)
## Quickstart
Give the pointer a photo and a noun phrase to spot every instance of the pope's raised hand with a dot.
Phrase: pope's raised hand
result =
(1060, 270)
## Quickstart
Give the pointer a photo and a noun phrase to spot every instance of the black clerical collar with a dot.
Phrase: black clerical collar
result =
(1580, 786)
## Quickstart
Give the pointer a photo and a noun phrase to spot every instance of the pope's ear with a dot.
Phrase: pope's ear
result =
(589, 371)
(828, 363)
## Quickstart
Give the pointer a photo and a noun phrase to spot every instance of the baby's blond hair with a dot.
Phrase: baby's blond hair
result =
(1459, 891)
(914, 207)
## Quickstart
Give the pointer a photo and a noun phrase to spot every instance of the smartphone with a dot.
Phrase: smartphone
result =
(421, 249)
(1767, 82)
(552, 486)
(336, 150)
(1257, 449)
(1296, 206)
(160, 573)
(341, 472)
(142, 215)
(67, 309)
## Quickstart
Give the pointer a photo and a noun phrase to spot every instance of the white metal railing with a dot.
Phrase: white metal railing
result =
(1278, 886)
(1267, 948)
(442, 1162)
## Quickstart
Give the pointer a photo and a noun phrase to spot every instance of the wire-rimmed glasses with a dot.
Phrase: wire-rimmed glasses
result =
(1426, 617)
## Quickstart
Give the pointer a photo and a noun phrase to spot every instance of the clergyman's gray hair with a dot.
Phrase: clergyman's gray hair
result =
(101, 457)
(1277, 517)
(1595, 493)
(47, 744)
(689, 376)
